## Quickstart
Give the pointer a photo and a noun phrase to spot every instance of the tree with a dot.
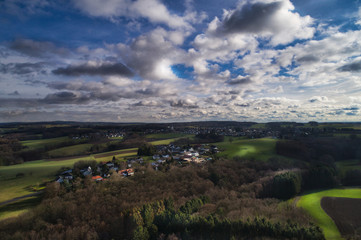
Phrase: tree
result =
(286, 185)
(352, 178)
(146, 150)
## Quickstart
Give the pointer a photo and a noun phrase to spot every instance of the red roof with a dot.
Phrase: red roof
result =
(97, 177)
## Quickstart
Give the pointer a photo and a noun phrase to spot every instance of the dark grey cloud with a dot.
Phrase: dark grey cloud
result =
(22, 68)
(105, 69)
(354, 113)
(351, 108)
(15, 93)
(65, 98)
(351, 67)
(37, 49)
(251, 18)
(308, 58)
(183, 104)
(234, 92)
(149, 91)
(76, 86)
(242, 105)
(19, 102)
(239, 81)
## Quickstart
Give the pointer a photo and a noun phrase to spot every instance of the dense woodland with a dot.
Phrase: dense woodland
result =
(220, 200)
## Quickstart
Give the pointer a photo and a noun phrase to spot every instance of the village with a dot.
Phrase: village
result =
(164, 154)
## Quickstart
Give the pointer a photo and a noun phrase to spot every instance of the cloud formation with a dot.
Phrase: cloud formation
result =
(21, 68)
(351, 67)
(152, 10)
(274, 19)
(36, 48)
(92, 69)
(262, 60)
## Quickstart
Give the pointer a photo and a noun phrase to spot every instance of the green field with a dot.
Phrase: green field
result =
(167, 135)
(344, 166)
(74, 150)
(34, 144)
(35, 173)
(167, 141)
(260, 149)
(119, 154)
(312, 204)
(19, 207)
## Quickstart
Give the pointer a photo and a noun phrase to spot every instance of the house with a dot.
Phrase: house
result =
(130, 172)
(60, 179)
(86, 171)
(67, 171)
(127, 172)
(68, 176)
(110, 165)
(97, 178)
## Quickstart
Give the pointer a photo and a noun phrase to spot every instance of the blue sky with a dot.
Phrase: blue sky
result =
(165, 61)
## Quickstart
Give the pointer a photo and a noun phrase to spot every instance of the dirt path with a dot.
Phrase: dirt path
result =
(19, 198)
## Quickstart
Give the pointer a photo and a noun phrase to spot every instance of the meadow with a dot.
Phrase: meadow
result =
(344, 166)
(167, 135)
(74, 150)
(312, 204)
(40, 143)
(260, 149)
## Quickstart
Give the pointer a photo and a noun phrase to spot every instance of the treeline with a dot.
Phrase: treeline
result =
(315, 149)
(9, 151)
(159, 220)
(208, 137)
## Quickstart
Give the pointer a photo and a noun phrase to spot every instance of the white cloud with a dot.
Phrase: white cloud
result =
(153, 10)
(359, 16)
(153, 54)
(270, 19)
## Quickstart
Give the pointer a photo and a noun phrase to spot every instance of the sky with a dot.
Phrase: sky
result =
(174, 61)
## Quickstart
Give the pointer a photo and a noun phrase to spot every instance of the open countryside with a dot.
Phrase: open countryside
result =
(189, 146)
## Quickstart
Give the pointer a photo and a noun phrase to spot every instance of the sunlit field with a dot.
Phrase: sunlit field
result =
(312, 204)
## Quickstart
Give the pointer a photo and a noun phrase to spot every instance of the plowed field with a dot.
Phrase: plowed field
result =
(346, 213)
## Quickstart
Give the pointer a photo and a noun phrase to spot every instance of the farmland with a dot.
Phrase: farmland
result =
(36, 173)
(312, 204)
(74, 150)
(260, 149)
(345, 212)
(40, 143)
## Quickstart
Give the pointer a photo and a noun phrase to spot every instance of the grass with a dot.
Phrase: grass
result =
(119, 154)
(34, 144)
(167, 135)
(71, 150)
(35, 174)
(312, 204)
(167, 141)
(42, 171)
(344, 166)
(116, 138)
(260, 149)
(19, 207)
